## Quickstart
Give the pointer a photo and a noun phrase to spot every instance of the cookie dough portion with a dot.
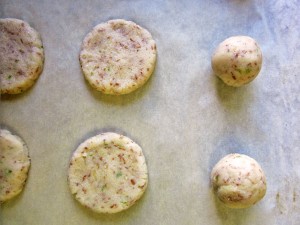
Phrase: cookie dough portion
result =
(108, 173)
(14, 165)
(238, 181)
(117, 57)
(237, 60)
(21, 56)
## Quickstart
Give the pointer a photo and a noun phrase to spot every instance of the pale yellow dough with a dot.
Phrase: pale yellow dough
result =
(14, 165)
(108, 173)
(21, 56)
(117, 57)
(238, 181)
(237, 60)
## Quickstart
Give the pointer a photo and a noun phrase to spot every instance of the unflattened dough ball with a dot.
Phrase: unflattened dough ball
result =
(21, 56)
(117, 57)
(108, 173)
(237, 60)
(14, 165)
(238, 181)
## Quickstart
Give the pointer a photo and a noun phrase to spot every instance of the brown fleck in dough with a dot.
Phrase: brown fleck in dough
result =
(238, 181)
(117, 57)
(108, 173)
(237, 60)
(14, 165)
(21, 56)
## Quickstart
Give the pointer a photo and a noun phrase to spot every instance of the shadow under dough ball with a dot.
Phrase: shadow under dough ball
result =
(237, 60)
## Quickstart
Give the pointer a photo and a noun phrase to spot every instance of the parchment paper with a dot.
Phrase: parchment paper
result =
(184, 118)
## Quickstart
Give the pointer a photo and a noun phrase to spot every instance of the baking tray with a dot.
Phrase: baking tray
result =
(184, 118)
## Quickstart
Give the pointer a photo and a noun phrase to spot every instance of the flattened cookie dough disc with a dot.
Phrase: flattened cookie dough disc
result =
(108, 173)
(21, 56)
(14, 165)
(117, 57)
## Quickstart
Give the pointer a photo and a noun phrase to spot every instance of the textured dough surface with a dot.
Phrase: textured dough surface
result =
(117, 57)
(21, 56)
(238, 181)
(14, 165)
(237, 60)
(108, 173)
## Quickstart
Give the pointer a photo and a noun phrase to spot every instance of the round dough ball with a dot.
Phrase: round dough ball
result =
(108, 173)
(237, 60)
(21, 56)
(14, 165)
(117, 57)
(238, 181)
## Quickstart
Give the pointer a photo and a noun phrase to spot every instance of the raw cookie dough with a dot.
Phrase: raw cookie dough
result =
(237, 60)
(117, 57)
(21, 56)
(14, 165)
(108, 173)
(238, 181)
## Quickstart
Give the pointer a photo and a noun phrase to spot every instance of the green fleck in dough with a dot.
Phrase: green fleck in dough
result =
(118, 174)
(248, 70)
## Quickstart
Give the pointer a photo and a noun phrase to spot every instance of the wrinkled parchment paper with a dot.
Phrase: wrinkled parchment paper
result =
(184, 118)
